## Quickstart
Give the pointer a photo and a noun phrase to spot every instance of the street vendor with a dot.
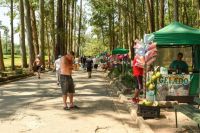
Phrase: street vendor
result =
(179, 66)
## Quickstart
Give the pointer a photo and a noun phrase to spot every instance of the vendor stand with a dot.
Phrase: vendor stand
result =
(177, 35)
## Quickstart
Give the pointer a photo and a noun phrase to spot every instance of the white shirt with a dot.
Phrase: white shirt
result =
(57, 64)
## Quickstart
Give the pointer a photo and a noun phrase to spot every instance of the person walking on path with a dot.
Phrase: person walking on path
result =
(89, 64)
(57, 69)
(138, 76)
(38, 65)
(67, 83)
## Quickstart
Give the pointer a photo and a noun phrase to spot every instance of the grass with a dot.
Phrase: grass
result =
(7, 60)
(17, 61)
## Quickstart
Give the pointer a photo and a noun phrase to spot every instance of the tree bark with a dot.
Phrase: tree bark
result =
(79, 30)
(2, 67)
(12, 37)
(59, 21)
(34, 31)
(52, 29)
(176, 7)
(162, 13)
(29, 34)
(198, 13)
(41, 32)
(150, 7)
(157, 15)
(22, 35)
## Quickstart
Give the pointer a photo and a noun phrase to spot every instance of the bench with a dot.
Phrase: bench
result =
(189, 110)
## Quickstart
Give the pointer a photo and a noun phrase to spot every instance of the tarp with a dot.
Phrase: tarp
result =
(177, 34)
(120, 51)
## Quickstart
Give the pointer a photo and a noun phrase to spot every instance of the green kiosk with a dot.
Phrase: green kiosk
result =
(177, 35)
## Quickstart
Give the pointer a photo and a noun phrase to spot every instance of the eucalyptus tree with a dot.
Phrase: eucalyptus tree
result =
(60, 29)
(22, 34)
(2, 67)
(41, 31)
(52, 27)
(79, 30)
(34, 28)
(29, 33)
(176, 7)
(12, 36)
(198, 13)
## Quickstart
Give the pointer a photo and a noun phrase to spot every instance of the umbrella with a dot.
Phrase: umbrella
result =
(120, 51)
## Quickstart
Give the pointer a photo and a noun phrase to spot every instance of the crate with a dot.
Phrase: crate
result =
(148, 111)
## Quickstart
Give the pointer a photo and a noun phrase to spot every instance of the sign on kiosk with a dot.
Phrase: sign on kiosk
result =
(173, 85)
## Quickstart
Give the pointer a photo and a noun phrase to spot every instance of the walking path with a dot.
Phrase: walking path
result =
(35, 105)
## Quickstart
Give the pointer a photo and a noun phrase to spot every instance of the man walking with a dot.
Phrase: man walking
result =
(89, 64)
(67, 84)
(57, 69)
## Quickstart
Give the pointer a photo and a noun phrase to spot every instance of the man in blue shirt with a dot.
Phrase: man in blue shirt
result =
(178, 65)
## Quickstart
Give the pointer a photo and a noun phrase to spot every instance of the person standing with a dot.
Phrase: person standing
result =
(67, 84)
(57, 69)
(138, 76)
(89, 64)
(179, 66)
(37, 63)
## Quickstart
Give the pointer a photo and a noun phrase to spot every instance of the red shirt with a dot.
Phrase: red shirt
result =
(137, 71)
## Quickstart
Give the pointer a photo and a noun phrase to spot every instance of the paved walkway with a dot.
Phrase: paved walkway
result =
(33, 105)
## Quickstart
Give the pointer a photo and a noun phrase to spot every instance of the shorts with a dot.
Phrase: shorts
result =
(139, 82)
(38, 68)
(67, 84)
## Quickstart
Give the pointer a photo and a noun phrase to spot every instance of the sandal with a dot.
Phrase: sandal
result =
(66, 108)
(74, 107)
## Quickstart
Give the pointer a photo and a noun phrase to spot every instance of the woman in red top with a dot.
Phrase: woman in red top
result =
(138, 75)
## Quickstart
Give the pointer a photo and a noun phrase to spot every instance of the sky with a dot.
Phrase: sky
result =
(5, 21)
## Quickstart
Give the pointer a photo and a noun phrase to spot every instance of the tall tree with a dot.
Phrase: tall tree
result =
(176, 7)
(161, 13)
(34, 30)
(52, 27)
(79, 30)
(198, 13)
(60, 27)
(22, 34)
(29, 34)
(12, 36)
(150, 7)
(41, 32)
(2, 68)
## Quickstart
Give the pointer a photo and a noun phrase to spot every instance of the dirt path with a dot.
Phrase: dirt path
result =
(35, 106)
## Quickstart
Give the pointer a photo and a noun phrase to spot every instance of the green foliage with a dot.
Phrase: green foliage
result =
(93, 47)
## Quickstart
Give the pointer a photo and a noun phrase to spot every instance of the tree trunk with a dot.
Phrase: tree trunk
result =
(34, 31)
(150, 7)
(176, 7)
(59, 40)
(72, 25)
(74, 39)
(22, 35)
(157, 15)
(79, 30)
(2, 67)
(198, 20)
(29, 34)
(162, 13)
(52, 28)
(12, 37)
(41, 32)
